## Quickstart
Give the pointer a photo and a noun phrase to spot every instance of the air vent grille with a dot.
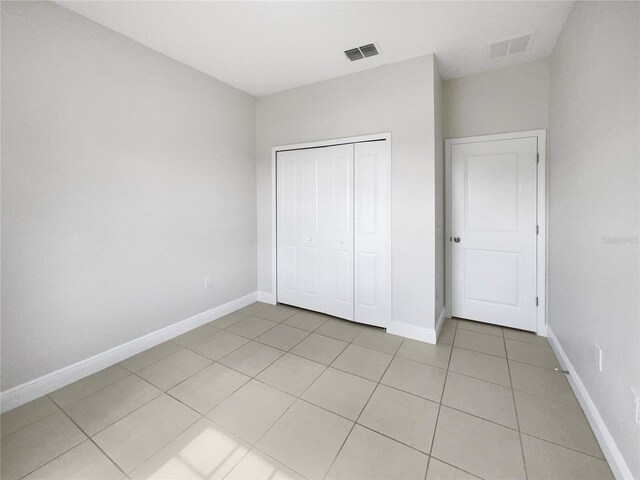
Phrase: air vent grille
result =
(369, 50)
(510, 46)
(359, 53)
(354, 54)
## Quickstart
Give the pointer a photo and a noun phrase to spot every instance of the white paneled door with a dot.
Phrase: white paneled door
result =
(493, 253)
(331, 202)
(372, 234)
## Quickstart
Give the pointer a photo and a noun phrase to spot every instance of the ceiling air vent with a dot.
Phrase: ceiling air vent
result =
(510, 46)
(361, 52)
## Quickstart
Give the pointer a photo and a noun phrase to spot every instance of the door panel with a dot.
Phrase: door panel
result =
(288, 248)
(337, 226)
(298, 232)
(494, 215)
(372, 234)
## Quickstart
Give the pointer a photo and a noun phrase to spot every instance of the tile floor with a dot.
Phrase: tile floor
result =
(277, 392)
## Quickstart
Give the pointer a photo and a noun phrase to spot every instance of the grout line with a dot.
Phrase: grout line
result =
(444, 385)
(515, 409)
(361, 411)
(454, 466)
(90, 439)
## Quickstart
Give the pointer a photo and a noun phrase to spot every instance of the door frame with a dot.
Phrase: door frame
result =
(541, 215)
(273, 297)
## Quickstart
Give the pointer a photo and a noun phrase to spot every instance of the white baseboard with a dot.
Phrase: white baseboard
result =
(608, 445)
(412, 331)
(266, 297)
(21, 394)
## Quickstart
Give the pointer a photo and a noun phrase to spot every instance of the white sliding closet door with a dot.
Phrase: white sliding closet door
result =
(336, 213)
(372, 234)
(315, 229)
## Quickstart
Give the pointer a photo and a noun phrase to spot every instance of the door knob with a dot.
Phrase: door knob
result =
(456, 239)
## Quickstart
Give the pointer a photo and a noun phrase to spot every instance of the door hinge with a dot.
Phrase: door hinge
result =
(537, 157)
(537, 229)
(537, 301)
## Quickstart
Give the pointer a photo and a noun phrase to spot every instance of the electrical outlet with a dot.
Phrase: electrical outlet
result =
(207, 282)
(636, 406)
(599, 358)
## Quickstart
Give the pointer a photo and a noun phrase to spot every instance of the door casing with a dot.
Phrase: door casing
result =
(541, 240)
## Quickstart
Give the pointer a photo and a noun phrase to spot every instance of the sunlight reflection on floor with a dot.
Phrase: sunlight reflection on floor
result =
(205, 451)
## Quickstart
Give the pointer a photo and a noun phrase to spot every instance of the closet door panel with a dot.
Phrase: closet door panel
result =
(372, 249)
(288, 236)
(312, 294)
(337, 225)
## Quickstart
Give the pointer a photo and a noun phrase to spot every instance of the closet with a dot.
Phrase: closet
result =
(333, 230)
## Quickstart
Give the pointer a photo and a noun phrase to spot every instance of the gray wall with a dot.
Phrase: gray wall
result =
(397, 98)
(506, 100)
(126, 178)
(593, 196)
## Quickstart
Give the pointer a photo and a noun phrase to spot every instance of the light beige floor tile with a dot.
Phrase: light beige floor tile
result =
(319, 348)
(477, 446)
(228, 320)
(150, 356)
(84, 462)
(172, 370)
(544, 382)
(276, 313)
(441, 471)
(367, 454)
(132, 440)
(378, 339)
(26, 414)
(447, 335)
(452, 322)
(417, 378)
(480, 342)
(540, 355)
(401, 416)
(89, 385)
(307, 320)
(363, 362)
(256, 465)
(480, 327)
(306, 439)
(546, 461)
(340, 392)
(34, 445)
(291, 374)
(251, 327)
(524, 336)
(480, 365)
(105, 407)
(557, 422)
(341, 329)
(254, 308)
(283, 337)
(436, 355)
(204, 451)
(194, 335)
(208, 387)
(483, 399)
(251, 410)
(218, 345)
(251, 358)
